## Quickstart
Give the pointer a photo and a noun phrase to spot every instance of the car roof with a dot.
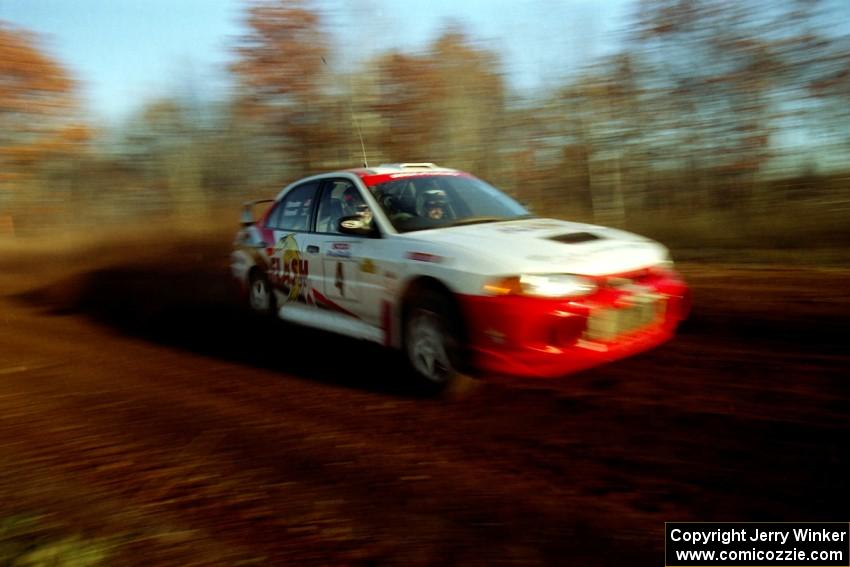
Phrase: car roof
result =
(388, 171)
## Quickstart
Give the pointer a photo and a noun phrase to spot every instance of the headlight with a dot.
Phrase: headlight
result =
(667, 263)
(542, 285)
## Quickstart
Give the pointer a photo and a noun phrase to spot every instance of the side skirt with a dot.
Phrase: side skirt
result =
(330, 321)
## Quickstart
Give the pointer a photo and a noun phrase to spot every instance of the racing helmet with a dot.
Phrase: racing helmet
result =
(435, 204)
(352, 202)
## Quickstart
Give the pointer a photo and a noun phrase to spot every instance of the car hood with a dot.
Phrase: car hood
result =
(542, 246)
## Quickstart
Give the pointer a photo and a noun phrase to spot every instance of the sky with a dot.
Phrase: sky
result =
(125, 52)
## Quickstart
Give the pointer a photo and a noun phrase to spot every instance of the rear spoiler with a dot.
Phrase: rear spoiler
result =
(247, 218)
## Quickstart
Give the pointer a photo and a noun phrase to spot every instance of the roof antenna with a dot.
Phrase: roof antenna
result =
(356, 125)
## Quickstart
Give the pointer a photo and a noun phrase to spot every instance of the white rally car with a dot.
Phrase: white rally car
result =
(455, 273)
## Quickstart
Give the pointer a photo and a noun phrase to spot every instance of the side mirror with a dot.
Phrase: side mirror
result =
(357, 225)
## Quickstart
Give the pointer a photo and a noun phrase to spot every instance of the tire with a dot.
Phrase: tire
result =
(433, 343)
(261, 298)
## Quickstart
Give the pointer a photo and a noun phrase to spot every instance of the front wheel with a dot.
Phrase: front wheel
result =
(433, 343)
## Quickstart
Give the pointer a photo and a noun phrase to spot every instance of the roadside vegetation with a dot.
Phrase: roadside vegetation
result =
(25, 541)
(715, 126)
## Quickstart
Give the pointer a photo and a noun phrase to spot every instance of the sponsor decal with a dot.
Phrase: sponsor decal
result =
(367, 266)
(424, 173)
(289, 269)
(424, 257)
(339, 250)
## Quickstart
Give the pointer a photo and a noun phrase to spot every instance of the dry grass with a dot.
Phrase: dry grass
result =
(803, 232)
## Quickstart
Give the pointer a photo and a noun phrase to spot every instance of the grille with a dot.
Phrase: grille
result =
(606, 324)
(634, 278)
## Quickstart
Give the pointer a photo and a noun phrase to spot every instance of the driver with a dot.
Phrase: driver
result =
(435, 205)
(353, 204)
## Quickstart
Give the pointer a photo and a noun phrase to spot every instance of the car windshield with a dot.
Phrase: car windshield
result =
(426, 201)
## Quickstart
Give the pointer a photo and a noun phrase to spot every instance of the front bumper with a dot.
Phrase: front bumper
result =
(547, 338)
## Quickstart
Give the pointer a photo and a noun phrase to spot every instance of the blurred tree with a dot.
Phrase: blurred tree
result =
(710, 69)
(472, 104)
(827, 91)
(281, 66)
(535, 133)
(598, 117)
(173, 145)
(408, 88)
(446, 105)
(37, 117)
(722, 79)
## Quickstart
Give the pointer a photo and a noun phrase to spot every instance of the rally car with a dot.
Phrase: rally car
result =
(455, 273)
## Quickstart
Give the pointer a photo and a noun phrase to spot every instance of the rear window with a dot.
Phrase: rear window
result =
(294, 210)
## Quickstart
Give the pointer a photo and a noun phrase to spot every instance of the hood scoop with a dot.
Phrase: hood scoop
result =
(576, 237)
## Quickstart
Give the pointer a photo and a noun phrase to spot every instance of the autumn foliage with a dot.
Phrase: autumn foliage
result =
(709, 113)
(36, 105)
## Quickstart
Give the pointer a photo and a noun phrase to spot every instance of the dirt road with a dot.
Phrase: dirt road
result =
(145, 419)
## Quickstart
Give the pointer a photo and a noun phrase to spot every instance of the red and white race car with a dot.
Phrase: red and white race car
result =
(455, 273)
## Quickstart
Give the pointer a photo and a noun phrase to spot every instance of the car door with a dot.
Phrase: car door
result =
(292, 246)
(349, 265)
